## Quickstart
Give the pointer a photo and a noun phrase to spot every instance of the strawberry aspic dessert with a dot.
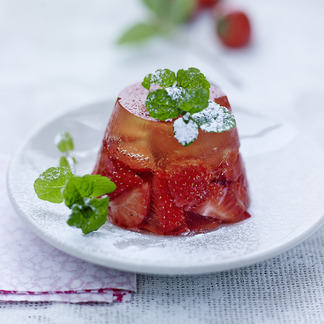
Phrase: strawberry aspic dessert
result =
(171, 147)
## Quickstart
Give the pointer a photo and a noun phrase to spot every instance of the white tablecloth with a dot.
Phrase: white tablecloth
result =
(58, 55)
(285, 289)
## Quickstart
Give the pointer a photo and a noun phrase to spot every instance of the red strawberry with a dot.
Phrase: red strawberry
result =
(234, 28)
(124, 178)
(102, 159)
(188, 183)
(134, 155)
(230, 168)
(151, 225)
(166, 215)
(129, 209)
(201, 224)
(222, 204)
(240, 188)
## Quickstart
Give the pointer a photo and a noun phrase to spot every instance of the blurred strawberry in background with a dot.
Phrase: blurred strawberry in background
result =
(233, 27)
(206, 3)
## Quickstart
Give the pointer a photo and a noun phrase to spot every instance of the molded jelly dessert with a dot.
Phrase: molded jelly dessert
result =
(162, 186)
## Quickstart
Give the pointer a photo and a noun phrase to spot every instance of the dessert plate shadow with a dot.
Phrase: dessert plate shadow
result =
(285, 173)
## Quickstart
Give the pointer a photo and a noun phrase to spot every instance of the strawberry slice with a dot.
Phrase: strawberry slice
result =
(129, 209)
(188, 183)
(124, 178)
(134, 155)
(230, 168)
(151, 225)
(240, 187)
(201, 224)
(166, 215)
(223, 204)
(102, 159)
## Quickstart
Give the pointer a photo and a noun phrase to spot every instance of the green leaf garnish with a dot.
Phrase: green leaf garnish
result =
(165, 17)
(180, 10)
(89, 214)
(161, 106)
(78, 188)
(138, 33)
(80, 194)
(157, 6)
(50, 184)
(174, 11)
(192, 79)
(186, 94)
(185, 131)
(64, 162)
(64, 142)
(162, 77)
(194, 100)
(214, 118)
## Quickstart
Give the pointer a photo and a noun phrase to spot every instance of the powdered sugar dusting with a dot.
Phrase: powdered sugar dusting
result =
(215, 118)
(54, 174)
(174, 92)
(184, 132)
(156, 76)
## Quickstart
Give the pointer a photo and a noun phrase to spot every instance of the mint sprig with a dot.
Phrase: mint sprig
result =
(192, 79)
(161, 106)
(91, 186)
(89, 215)
(86, 196)
(64, 142)
(162, 77)
(186, 91)
(49, 185)
(185, 95)
(164, 18)
(194, 100)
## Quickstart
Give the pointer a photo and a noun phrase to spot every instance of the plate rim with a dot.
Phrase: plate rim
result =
(243, 261)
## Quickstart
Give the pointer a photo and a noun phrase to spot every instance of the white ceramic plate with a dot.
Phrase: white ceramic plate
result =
(285, 173)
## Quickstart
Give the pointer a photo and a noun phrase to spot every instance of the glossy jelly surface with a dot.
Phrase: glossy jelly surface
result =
(162, 186)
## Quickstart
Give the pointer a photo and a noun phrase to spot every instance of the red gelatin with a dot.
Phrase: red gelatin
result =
(179, 189)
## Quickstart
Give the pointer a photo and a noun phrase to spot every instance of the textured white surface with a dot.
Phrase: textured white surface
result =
(31, 270)
(285, 208)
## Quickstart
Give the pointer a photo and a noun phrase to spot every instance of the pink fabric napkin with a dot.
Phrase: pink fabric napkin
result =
(32, 270)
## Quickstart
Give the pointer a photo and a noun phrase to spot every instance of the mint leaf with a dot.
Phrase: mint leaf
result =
(214, 118)
(64, 162)
(160, 8)
(162, 77)
(187, 94)
(58, 184)
(171, 11)
(78, 188)
(89, 214)
(179, 11)
(49, 185)
(100, 185)
(161, 106)
(64, 142)
(185, 130)
(138, 33)
(193, 100)
(192, 78)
